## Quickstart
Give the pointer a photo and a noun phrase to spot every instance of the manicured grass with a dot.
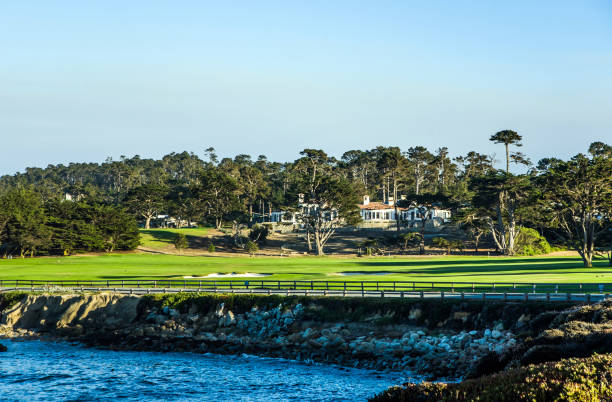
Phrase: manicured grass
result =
(452, 268)
(162, 238)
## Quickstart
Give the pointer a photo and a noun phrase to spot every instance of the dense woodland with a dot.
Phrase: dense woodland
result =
(568, 202)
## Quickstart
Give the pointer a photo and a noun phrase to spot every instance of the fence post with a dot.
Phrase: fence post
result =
(505, 296)
(569, 296)
(547, 296)
(422, 296)
(462, 295)
(526, 296)
(442, 294)
(588, 298)
(556, 288)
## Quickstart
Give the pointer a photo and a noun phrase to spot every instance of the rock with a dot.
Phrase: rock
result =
(487, 333)
(3, 348)
(415, 314)
(495, 334)
(473, 333)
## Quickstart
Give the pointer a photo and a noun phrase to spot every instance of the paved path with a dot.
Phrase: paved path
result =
(553, 297)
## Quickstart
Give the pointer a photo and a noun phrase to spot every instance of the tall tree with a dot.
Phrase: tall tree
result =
(329, 201)
(577, 195)
(419, 158)
(502, 196)
(218, 193)
(25, 228)
(507, 137)
(146, 201)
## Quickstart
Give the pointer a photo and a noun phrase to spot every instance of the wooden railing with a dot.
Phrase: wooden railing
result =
(334, 285)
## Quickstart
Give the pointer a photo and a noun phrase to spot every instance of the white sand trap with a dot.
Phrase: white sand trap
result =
(355, 273)
(228, 275)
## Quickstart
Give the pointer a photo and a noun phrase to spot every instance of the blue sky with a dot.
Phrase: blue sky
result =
(81, 81)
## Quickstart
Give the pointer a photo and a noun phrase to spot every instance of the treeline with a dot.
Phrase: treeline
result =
(566, 201)
(32, 226)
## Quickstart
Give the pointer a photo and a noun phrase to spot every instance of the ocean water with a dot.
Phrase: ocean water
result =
(39, 370)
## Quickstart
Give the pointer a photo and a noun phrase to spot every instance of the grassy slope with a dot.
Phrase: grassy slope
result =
(452, 268)
(162, 238)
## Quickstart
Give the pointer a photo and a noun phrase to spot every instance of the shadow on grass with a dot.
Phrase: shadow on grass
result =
(167, 237)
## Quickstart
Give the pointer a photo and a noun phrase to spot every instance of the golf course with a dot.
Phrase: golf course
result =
(449, 268)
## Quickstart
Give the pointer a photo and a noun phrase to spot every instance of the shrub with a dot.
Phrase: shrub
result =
(441, 242)
(586, 379)
(180, 241)
(530, 242)
(252, 247)
(259, 233)
(211, 247)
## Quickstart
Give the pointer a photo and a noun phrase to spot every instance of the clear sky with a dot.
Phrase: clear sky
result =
(84, 80)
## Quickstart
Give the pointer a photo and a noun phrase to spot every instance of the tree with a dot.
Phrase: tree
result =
(252, 248)
(501, 196)
(577, 196)
(419, 158)
(329, 201)
(441, 242)
(118, 228)
(391, 163)
(473, 222)
(218, 193)
(146, 201)
(25, 223)
(424, 204)
(507, 137)
(180, 242)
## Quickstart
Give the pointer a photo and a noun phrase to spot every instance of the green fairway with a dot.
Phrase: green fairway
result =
(453, 268)
(162, 238)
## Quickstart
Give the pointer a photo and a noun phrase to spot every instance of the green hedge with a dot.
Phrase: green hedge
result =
(587, 379)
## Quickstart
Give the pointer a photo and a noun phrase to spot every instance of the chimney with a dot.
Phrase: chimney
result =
(366, 199)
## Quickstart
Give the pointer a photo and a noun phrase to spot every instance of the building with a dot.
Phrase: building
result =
(386, 212)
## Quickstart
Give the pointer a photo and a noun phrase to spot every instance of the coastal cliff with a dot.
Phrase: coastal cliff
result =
(428, 339)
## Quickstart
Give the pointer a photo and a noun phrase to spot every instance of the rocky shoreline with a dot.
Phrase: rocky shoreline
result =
(425, 340)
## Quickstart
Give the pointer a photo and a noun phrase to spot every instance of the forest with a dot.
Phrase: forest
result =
(569, 202)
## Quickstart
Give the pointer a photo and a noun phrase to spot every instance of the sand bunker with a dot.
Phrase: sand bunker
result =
(355, 273)
(228, 275)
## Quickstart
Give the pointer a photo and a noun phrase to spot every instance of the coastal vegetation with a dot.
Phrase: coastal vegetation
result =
(84, 207)
(576, 379)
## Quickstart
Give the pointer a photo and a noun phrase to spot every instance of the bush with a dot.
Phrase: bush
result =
(252, 247)
(211, 247)
(530, 242)
(441, 242)
(587, 379)
(180, 241)
(259, 233)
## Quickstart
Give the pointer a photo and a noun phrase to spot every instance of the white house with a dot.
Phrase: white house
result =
(381, 212)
